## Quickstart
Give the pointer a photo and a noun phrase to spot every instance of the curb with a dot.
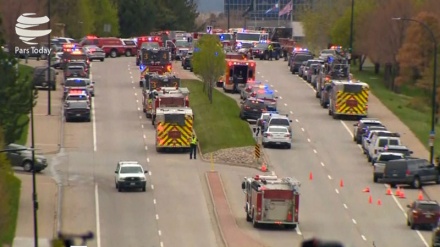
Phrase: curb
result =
(222, 236)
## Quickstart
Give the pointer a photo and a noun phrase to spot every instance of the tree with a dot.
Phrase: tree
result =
(106, 13)
(416, 54)
(15, 98)
(136, 18)
(382, 49)
(209, 61)
(77, 16)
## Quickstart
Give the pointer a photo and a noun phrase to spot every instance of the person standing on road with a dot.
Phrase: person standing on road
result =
(193, 147)
(270, 49)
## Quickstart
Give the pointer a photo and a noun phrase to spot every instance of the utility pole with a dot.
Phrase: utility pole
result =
(34, 184)
(49, 72)
(228, 12)
(351, 28)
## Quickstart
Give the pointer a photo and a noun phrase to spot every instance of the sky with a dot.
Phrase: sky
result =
(210, 5)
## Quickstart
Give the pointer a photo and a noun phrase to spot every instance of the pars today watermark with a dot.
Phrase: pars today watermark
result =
(27, 35)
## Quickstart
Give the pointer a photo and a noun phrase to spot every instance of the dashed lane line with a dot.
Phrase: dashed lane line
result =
(285, 104)
(322, 164)
(303, 129)
(345, 206)
(337, 191)
(98, 224)
(308, 140)
(148, 160)
(329, 177)
(314, 150)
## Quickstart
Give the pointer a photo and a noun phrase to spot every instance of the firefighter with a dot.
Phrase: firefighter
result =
(270, 49)
(193, 147)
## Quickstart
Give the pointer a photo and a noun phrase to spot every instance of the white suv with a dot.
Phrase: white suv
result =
(130, 174)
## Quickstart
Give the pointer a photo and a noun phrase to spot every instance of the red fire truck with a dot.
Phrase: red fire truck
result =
(147, 42)
(243, 69)
(272, 200)
(174, 98)
(154, 61)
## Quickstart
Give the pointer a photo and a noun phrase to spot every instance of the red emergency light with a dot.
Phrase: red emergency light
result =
(77, 92)
(149, 39)
(91, 37)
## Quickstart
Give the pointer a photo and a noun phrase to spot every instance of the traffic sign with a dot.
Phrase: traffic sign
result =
(257, 151)
(209, 29)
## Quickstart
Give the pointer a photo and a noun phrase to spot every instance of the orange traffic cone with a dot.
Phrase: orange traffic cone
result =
(370, 199)
(341, 183)
(311, 176)
(398, 192)
(420, 197)
(263, 167)
(367, 189)
(379, 202)
(402, 194)
(389, 192)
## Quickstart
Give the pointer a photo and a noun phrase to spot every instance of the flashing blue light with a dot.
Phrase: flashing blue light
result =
(142, 67)
(238, 44)
(222, 37)
(269, 92)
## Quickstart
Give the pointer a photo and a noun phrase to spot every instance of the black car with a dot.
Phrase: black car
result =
(252, 108)
(186, 63)
(297, 60)
(77, 110)
(261, 51)
(75, 71)
(360, 128)
(39, 78)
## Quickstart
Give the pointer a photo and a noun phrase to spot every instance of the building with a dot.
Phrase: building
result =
(264, 8)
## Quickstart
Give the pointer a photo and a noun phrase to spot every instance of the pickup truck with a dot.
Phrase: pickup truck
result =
(393, 153)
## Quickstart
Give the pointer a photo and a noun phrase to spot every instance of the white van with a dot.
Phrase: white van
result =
(378, 143)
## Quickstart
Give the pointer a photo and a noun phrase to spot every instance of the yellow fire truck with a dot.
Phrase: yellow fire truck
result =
(174, 127)
(348, 98)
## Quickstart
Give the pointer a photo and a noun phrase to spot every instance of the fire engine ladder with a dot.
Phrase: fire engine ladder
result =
(294, 183)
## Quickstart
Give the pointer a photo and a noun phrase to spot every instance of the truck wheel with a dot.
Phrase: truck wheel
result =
(416, 183)
(27, 166)
(375, 179)
(113, 53)
(248, 218)
(102, 59)
(128, 53)
(254, 223)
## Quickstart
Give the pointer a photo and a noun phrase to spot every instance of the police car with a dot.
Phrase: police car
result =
(250, 87)
(268, 97)
(252, 108)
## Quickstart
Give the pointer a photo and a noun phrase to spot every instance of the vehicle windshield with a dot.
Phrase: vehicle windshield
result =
(265, 96)
(150, 45)
(76, 97)
(277, 130)
(225, 36)
(279, 121)
(255, 104)
(388, 157)
(248, 36)
(182, 43)
(246, 45)
(302, 58)
(261, 45)
(75, 83)
(328, 51)
(78, 105)
(129, 42)
(131, 169)
(428, 207)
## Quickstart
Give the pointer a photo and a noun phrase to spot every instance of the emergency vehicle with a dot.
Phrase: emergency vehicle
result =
(73, 52)
(272, 200)
(174, 128)
(245, 68)
(157, 85)
(169, 98)
(154, 61)
(112, 46)
(349, 98)
(147, 42)
(250, 37)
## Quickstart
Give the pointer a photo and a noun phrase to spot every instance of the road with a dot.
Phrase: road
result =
(172, 212)
(324, 147)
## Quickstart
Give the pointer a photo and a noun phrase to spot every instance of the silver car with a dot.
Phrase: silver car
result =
(277, 136)
(94, 52)
(80, 82)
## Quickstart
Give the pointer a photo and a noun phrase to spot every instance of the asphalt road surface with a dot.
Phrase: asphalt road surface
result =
(172, 212)
(324, 147)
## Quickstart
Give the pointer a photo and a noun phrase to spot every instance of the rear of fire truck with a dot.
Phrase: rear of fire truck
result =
(272, 200)
(154, 61)
(174, 128)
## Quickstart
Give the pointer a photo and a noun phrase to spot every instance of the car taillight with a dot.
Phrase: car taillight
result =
(407, 173)
(287, 135)
(415, 213)
(267, 135)
(68, 74)
(289, 216)
(247, 107)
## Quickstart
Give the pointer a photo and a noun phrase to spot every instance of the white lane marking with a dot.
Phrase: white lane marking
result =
(314, 150)
(145, 137)
(149, 173)
(134, 87)
(364, 238)
(140, 117)
(159, 232)
(308, 140)
(296, 120)
(303, 129)
(142, 126)
(98, 225)
(146, 148)
(280, 97)
(139, 108)
(152, 187)
(161, 244)
(404, 213)
(348, 129)
(130, 72)
(276, 91)
(291, 112)
(268, 81)
(354, 221)
(148, 160)
(337, 191)
(95, 147)
(345, 206)
(132, 81)
(285, 104)
(258, 72)
(298, 231)
(329, 177)
(157, 217)
(262, 76)
(131, 77)
(135, 94)
(360, 147)
(154, 201)
(137, 101)
(322, 164)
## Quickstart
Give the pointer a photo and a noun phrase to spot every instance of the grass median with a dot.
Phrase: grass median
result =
(410, 106)
(217, 125)
(25, 72)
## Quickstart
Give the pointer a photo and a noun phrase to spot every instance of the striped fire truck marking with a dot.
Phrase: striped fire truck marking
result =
(358, 105)
(185, 132)
(144, 72)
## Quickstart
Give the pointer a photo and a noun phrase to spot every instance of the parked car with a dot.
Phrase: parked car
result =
(277, 136)
(21, 156)
(423, 213)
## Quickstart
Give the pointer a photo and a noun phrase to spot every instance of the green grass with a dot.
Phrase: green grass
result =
(409, 106)
(10, 206)
(217, 125)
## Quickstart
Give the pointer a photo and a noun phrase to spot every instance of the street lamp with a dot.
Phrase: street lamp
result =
(34, 184)
(434, 84)
(351, 28)
(49, 88)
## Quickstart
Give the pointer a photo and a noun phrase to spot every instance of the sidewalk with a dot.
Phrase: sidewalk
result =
(47, 142)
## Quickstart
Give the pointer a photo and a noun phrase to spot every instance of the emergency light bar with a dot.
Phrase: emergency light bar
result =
(242, 63)
(91, 37)
(77, 92)
(300, 49)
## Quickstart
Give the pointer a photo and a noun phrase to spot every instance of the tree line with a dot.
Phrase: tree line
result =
(402, 49)
(119, 18)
